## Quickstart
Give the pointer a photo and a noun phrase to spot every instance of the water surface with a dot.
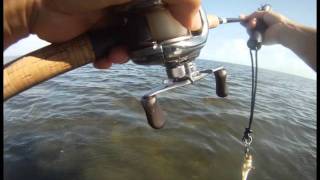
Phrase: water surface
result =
(88, 124)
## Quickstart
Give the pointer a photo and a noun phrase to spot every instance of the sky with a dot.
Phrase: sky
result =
(227, 43)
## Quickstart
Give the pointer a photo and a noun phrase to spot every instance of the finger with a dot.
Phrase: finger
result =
(76, 25)
(244, 20)
(108, 20)
(196, 22)
(252, 23)
(248, 23)
(102, 63)
(184, 11)
(118, 55)
(213, 21)
(80, 6)
(242, 17)
(256, 14)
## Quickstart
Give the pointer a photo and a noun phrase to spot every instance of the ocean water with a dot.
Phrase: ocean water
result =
(88, 124)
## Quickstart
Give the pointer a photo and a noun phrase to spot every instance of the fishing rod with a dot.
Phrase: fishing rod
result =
(224, 20)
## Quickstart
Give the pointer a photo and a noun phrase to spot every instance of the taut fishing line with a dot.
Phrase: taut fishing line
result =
(247, 138)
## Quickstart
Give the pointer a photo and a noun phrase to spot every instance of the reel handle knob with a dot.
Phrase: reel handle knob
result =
(221, 86)
(153, 111)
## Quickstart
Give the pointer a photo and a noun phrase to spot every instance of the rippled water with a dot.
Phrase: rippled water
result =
(88, 124)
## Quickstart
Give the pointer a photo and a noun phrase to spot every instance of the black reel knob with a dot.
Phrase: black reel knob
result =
(221, 86)
(153, 111)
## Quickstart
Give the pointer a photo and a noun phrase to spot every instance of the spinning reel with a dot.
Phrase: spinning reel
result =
(158, 39)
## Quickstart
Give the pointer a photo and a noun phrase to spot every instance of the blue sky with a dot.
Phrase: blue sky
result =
(227, 42)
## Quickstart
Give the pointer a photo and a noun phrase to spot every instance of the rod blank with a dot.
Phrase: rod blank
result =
(228, 20)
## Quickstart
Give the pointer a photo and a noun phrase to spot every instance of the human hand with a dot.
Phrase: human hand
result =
(275, 23)
(299, 38)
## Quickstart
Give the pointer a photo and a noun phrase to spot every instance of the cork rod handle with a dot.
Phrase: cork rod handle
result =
(46, 63)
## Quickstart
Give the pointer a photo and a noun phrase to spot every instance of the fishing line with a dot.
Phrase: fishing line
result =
(254, 84)
(247, 138)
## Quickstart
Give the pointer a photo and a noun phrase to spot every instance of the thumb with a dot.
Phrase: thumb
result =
(185, 11)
